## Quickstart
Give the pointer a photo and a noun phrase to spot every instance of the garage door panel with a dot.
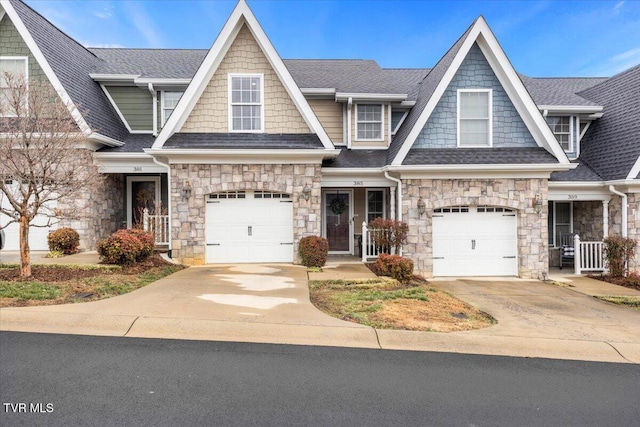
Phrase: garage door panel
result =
(478, 242)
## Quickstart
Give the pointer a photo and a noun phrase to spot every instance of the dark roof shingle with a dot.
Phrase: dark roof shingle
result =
(477, 156)
(249, 141)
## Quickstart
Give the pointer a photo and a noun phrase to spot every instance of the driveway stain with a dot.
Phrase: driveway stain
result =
(250, 301)
(254, 282)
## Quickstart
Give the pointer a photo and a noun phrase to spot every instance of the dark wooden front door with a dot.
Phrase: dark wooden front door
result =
(337, 220)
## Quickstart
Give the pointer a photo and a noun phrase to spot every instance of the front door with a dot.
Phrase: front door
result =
(142, 192)
(337, 208)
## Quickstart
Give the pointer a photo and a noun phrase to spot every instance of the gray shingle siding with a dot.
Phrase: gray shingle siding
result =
(475, 72)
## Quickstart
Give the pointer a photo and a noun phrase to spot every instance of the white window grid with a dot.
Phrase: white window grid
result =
(246, 103)
(369, 122)
(169, 102)
(562, 128)
(378, 210)
(488, 118)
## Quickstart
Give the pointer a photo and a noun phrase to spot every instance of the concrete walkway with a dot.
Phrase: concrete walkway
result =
(39, 257)
(270, 304)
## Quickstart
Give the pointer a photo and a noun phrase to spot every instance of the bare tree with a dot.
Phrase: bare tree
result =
(43, 162)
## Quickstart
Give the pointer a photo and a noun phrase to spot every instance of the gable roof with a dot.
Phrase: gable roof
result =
(240, 17)
(437, 81)
(611, 145)
(562, 91)
(52, 49)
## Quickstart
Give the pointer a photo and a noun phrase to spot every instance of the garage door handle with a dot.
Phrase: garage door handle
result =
(512, 257)
(250, 230)
(213, 244)
(438, 257)
(291, 243)
(473, 244)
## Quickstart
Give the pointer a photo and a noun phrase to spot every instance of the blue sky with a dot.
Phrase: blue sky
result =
(542, 38)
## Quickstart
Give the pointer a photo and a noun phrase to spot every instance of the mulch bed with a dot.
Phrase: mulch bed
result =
(632, 281)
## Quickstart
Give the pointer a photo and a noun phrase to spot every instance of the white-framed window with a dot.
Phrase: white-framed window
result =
(369, 122)
(375, 205)
(17, 67)
(560, 221)
(475, 117)
(561, 126)
(169, 101)
(246, 103)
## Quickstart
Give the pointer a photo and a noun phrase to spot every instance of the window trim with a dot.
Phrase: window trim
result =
(490, 118)
(554, 216)
(26, 72)
(384, 203)
(163, 118)
(381, 139)
(230, 104)
(571, 148)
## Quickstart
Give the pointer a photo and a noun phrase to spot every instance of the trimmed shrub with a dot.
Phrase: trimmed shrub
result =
(125, 247)
(313, 251)
(619, 251)
(65, 240)
(388, 234)
(395, 266)
(147, 240)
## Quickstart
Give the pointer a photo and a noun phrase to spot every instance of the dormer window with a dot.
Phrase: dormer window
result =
(169, 102)
(369, 122)
(246, 107)
(474, 117)
(561, 128)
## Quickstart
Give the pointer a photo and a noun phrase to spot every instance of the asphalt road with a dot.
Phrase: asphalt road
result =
(106, 381)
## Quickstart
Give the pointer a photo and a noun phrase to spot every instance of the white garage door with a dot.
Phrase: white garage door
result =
(475, 241)
(249, 227)
(37, 235)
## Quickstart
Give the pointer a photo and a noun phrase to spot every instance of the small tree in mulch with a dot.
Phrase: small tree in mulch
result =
(388, 234)
(619, 251)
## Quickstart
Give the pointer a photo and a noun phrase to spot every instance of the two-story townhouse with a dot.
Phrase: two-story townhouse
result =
(245, 153)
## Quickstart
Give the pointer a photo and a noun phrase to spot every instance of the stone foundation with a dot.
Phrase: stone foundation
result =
(188, 215)
(510, 193)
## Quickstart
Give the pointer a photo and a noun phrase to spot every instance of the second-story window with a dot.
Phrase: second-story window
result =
(13, 70)
(169, 102)
(561, 128)
(474, 117)
(369, 122)
(246, 107)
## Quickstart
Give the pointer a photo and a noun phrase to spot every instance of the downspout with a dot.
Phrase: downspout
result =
(166, 165)
(613, 190)
(349, 102)
(154, 97)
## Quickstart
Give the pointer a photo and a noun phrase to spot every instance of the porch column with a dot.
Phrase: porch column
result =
(605, 219)
(393, 202)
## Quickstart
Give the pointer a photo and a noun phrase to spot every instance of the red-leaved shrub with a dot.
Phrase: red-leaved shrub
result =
(65, 240)
(125, 247)
(395, 266)
(388, 234)
(313, 251)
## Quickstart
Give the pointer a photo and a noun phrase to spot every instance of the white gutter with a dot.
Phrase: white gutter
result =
(398, 97)
(154, 97)
(166, 165)
(613, 190)
(349, 103)
(398, 192)
(571, 108)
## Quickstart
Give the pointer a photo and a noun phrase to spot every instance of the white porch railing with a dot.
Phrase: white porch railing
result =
(369, 248)
(588, 256)
(158, 225)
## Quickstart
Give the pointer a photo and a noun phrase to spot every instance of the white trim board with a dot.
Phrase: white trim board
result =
(481, 34)
(635, 170)
(240, 16)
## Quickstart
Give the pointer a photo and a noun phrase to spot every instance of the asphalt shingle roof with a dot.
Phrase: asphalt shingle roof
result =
(560, 91)
(134, 143)
(244, 141)
(611, 145)
(150, 63)
(477, 156)
(581, 173)
(358, 159)
(72, 64)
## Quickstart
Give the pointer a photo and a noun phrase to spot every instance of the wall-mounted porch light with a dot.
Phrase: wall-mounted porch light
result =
(537, 204)
(421, 206)
(186, 190)
(306, 192)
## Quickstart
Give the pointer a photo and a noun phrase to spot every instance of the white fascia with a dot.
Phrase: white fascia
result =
(214, 156)
(44, 64)
(126, 163)
(240, 16)
(371, 97)
(105, 140)
(569, 109)
(310, 91)
(161, 82)
(510, 82)
(635, 170)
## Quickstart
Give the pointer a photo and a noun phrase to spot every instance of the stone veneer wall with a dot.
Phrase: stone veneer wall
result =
(102, 211)
(634, 226)
(587, 220)
(188, 216)
(511, 193)
(210, 113)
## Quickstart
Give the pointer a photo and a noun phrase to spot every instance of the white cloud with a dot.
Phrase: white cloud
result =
(618, 6)
(143, 23)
